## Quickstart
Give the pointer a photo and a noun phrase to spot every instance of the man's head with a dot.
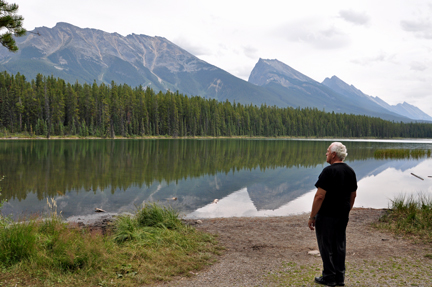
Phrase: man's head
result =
(336, 152)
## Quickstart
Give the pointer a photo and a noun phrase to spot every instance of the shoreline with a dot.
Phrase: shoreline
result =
(105, 218)
(201, 138)
(103, 221)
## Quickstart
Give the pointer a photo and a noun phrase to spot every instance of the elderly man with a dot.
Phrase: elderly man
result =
(337, 186)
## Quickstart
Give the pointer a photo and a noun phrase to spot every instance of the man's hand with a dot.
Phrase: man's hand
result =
(311, 223)
(316, 205)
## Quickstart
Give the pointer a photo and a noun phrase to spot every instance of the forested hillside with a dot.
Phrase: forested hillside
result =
(49, 106)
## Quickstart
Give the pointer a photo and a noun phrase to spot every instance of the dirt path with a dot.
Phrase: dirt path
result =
(257, 247)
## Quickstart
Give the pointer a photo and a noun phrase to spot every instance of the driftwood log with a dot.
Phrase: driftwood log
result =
(417, 176)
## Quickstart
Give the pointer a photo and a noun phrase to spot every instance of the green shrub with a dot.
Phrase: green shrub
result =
(145, 225)
(17, 242)
(128, 229)
(410, 215)
(125, 229)
(71, 250)
(153, 215)
(62, 248)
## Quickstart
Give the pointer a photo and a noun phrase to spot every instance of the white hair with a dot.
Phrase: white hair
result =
(339, 149)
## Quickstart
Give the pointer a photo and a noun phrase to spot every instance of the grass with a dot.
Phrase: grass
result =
(409, 216)
(401, 153)
(151, 246)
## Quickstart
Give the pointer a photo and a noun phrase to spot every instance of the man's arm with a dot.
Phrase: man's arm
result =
(318, 200)
(352, 199)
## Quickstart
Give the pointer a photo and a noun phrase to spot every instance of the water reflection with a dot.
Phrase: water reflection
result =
(376, 188)
(240, 204)
(249, 177)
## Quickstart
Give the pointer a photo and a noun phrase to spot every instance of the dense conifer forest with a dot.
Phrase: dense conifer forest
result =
(48, 106)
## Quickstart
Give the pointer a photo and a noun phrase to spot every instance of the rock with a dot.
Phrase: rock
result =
(199, 221)
(314, 252)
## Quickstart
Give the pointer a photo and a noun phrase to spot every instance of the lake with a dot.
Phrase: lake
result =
(249, 177)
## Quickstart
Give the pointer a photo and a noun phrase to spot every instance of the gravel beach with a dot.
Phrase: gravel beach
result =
(262, 252)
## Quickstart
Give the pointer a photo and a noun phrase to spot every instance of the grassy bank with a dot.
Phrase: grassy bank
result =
(409, 216)
(153, 245)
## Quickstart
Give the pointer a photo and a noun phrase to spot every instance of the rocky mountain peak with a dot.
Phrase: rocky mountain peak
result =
(335, 80)
(91, 54)
(411, 111)
(374, 103)
(85, 55)
(340, 86)
(266, 71)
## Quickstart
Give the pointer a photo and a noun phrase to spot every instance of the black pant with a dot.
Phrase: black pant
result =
(331, 237)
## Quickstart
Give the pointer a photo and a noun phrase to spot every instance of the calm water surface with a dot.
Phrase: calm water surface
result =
(248, 177)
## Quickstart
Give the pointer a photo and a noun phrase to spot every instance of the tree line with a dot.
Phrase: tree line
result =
(48, 106)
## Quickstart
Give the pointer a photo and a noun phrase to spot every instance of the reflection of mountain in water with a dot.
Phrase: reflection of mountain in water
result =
(365, 168)
(285, 185)
(117, 175)
(50, 168)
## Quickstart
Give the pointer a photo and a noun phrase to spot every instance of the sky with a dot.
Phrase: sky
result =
(381, 47)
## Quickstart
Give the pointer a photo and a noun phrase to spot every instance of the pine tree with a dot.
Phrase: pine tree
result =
(13, 24)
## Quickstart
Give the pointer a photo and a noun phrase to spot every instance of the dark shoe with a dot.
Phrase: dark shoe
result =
(340, 280)
(322, 281)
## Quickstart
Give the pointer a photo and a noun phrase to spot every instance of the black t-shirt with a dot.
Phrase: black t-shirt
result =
(338, 180)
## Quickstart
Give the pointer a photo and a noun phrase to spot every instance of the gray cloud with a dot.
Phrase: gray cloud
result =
(194, 49)
(244, 72)
(330, 38)
(250, 52)
(417, 66)
(415, 26)
(357, 18)
(312, 33)
(418, 95)
(382, 57)
(420, 28)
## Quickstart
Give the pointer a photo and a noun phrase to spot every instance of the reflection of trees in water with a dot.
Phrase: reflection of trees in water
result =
(51, 168)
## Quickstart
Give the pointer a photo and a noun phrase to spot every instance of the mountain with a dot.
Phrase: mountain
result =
(375, 103)
(404, 109)
(88, 55)
(302, 91)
